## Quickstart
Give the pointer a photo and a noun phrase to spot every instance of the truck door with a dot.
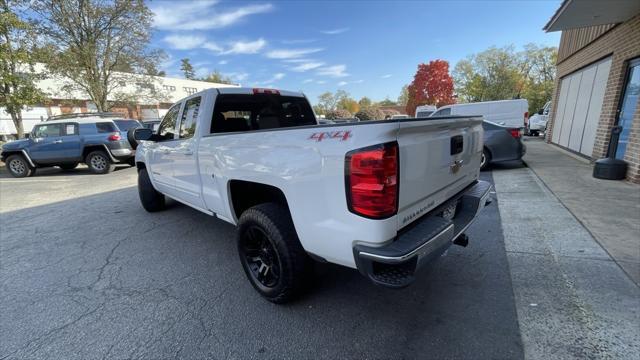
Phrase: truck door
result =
(183, 155)
(161, 164)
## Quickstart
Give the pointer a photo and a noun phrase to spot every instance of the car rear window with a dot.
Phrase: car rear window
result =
(126, 125)
(106, 127)
(244, 112)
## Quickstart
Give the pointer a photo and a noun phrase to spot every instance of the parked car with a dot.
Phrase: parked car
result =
(538, 122)
(510, 113)
(382, 197)
(97, 141)
(425, 111)
(501, 143)
(151, 124)
(399, 116)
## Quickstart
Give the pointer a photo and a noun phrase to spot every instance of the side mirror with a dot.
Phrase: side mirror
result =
(143, 134)
(541, 112)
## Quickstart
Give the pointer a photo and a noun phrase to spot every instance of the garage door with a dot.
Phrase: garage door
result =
(579, 105)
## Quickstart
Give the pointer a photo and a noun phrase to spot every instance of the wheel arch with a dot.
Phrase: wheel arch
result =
(246, 194)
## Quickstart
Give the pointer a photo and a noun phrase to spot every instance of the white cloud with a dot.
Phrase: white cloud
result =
(245, 47)
(333, 71)
(212, 46)
(202, 71)
(305, 66)
(201, 15)
(321, 82)
(342, 83)
(223, 62)
(386, 76)
(274, 78)
(184, 42)
(291, 53)
(238, 76)
(307, 81)
(335, 31)
(357, 81)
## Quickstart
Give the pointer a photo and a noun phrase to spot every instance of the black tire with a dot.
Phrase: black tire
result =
(99, 162)
(131, 138)
(18, 166)
(486, 159)
(150, 198)
(67, 167)
(267, 242)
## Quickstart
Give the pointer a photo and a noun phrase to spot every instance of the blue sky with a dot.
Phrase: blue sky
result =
(368, 48)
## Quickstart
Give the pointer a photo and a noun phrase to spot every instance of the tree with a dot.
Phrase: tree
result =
(539, 71)
(217, 77)
(403, 98)
(370, 113)
(187, 69)
(388, 102)
(348, 104)
(339, 114)
(503, 73)
(17, 58)
(93, 43)
(326, 102)
(365, 102)
(431, 85)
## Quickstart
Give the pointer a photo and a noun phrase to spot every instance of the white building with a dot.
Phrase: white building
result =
(136, 96)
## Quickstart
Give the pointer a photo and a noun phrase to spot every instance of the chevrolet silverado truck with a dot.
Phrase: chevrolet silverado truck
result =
(382, 197)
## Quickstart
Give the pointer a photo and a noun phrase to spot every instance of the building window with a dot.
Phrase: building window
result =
(144, 85)
(169, 87)
(190, 90)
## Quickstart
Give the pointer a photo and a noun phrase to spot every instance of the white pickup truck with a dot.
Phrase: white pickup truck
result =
(384, 197)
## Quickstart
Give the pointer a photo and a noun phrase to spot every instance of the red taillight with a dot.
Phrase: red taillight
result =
(114, 137)
(515, 133)
(372, 181)
(266, 91)
(526, 118)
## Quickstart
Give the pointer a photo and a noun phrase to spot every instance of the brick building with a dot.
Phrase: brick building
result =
(598, 81)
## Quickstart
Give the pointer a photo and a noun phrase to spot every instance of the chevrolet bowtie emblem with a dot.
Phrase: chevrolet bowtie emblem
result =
(455, 167)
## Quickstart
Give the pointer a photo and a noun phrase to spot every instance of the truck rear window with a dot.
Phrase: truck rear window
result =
(244, 112)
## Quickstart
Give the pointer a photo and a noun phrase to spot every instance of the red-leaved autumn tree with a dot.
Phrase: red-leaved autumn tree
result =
(432, 85)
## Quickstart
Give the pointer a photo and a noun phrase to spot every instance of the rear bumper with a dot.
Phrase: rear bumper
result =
(394, 265)
(120, 150)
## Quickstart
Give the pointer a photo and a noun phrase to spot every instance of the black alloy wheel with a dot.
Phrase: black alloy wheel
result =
(260, 256)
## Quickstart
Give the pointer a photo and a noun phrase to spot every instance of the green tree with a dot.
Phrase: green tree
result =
(503, 73)
(93, 43)
(217, 77)
(17, 58)
(403, 98)
(387, 102)
(326, 102)
(370, 113)
(365, 102)
(494, 74)
(187, 69)
(339, 114)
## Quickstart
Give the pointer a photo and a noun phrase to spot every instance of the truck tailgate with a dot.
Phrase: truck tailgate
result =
(438, 158)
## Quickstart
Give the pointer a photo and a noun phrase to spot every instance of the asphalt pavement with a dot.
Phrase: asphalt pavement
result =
(86, 273)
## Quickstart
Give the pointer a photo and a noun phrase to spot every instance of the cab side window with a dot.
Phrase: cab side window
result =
(70, 129)
(51, 130)
(189, 118)
(167, 127)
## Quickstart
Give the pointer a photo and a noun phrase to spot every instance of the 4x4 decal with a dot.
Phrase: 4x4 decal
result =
(339, 135)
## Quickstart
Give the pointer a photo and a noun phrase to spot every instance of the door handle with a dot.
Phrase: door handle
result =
(57, 142)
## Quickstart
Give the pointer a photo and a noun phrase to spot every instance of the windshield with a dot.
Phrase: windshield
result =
(126, 125)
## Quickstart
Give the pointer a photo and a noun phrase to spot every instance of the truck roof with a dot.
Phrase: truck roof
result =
(251, 91)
